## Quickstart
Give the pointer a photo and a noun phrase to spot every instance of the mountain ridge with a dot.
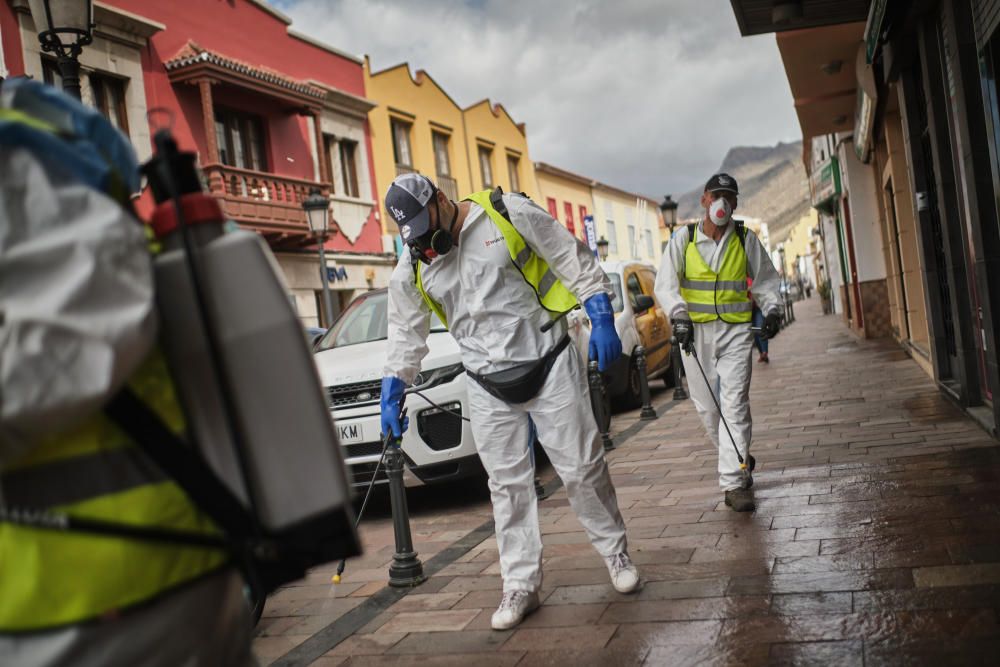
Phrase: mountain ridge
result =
(773, 186)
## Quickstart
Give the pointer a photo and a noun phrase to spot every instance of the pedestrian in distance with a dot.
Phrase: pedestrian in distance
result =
(498, 270)
(703, 285)
(759, 339)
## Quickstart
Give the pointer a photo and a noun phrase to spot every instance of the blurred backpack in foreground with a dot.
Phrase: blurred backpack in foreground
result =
(122, 530)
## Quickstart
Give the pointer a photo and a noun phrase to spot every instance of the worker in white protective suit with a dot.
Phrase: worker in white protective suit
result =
(78, 322)
(496, 268)
(702, 283)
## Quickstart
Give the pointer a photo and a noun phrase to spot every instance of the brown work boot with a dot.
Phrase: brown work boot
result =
(741, 500)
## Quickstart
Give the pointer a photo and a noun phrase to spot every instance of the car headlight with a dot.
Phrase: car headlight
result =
(433, 378)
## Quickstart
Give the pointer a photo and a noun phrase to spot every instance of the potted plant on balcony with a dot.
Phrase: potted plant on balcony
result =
(823, 289)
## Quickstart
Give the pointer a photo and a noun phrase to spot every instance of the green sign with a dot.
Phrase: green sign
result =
(864, 119)
(824, 182)
(873, 28)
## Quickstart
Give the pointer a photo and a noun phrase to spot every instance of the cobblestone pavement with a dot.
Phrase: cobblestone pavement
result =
(876, 541)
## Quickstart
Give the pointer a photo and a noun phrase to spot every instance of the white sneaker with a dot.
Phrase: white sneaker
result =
(514, 606)
(624, 576)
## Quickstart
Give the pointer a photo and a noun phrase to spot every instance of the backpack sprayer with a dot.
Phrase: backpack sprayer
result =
(267, 465)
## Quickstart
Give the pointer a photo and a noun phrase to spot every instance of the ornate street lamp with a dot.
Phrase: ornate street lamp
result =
(64, 28)
(669, 209)
(602, 248)
(317, 209)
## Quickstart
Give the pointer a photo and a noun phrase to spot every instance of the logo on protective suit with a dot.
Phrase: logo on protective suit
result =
(405, 231)
(493, 241)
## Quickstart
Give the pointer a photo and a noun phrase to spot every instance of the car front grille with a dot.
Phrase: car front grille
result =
(364, 449)
(361, 473)
(356, 393)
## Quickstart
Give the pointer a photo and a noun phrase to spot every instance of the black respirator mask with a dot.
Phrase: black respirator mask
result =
(434, 242)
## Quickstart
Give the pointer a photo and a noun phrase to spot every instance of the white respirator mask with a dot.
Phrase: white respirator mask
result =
(720, 212)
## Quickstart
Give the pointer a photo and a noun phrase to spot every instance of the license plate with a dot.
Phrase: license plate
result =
(351, 433)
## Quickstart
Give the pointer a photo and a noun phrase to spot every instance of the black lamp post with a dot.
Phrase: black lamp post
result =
(602, 248)
(64, 28)
(318, 215)
(669, 209)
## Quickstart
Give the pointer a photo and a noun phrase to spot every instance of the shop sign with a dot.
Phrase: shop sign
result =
(825, 181)
(873, 28)
(864, 119)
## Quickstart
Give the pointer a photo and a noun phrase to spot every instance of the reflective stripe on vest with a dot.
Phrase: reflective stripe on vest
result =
(551, 293)
(710, 295)
(51, 578)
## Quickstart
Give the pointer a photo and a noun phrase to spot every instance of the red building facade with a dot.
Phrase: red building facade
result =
(271, 113)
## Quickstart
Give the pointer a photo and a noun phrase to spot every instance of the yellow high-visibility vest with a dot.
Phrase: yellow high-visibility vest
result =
(724, 295)
(551, 293)
(50, 578)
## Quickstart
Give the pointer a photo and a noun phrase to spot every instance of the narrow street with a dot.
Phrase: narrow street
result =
(875, 540)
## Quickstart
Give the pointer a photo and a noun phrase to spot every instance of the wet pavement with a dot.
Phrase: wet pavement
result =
(876, 540)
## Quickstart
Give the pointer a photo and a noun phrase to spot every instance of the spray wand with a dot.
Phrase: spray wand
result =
(371, 485)
(746, 466)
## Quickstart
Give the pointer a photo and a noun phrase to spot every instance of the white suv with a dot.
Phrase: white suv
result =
(437, 446)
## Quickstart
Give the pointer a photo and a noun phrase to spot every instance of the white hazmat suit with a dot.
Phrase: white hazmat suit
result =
(495, 317)
(723, 349)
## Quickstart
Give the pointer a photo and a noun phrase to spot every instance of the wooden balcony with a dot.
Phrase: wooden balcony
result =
(268, 203)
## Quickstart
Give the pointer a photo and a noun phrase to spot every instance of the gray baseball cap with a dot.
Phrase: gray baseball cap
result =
(406, 201)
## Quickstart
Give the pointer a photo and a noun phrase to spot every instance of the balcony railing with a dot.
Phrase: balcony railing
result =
(267, 202)
(449, 186)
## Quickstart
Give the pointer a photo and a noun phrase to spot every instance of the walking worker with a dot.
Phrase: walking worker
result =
(78, 324)
(703, 286)
(495, 268)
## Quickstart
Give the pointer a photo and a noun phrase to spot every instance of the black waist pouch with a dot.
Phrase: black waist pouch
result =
(522, 382)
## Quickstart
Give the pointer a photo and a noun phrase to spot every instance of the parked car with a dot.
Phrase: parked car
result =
(438, 447)
(639, 320)
(313, 336)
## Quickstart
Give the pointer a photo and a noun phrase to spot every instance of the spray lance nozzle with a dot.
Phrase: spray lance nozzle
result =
(171, 171)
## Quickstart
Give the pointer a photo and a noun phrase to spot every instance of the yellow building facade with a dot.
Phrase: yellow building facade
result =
(567, 196)
(416, 127)
(799, 241)
(498, 150)
(631, 223)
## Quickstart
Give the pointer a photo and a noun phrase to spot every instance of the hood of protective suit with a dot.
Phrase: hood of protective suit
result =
(77, 315)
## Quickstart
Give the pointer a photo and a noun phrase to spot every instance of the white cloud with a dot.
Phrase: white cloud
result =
(644, 94)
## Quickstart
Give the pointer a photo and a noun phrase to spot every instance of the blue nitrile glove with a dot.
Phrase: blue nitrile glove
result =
(605, 345)
(392, 404)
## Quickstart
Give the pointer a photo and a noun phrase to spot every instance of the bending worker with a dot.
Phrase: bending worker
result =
(77, 324)
(495, 268)
(702, 284)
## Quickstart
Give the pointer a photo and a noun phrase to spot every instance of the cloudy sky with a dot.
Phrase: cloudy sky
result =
(644, 94)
